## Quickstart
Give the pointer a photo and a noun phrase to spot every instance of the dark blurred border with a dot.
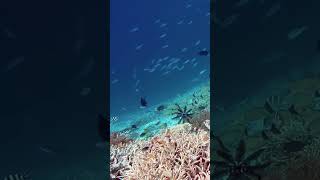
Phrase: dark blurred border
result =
(212, 75)
(38, 19)
(107, 57)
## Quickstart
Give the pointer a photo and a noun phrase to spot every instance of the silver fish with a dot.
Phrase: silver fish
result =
(85, 91)
(163, 35)
(163, 25)
(114, 81)
(197, 43)
(203, 71)
(180, 22)
(139, 46)
(184, 49)
(273, 10)
(135, 29)
(165, 46)
(18, 176)
(296, 32)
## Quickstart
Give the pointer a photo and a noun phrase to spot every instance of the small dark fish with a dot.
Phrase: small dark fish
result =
(274, 129)
(103, 128)
(143, 102)
(293, 110)
(143, 134)
(246, 132)
(264, 135)
(134, 126)
(201, 108)
(268, 108)
(161, 108)
(158, 122)
(203, 53)
(316, 94)
(318, 45)
(145, 148)
(195, 102)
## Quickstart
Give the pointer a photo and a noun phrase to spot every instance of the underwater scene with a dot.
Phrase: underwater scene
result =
(160, 89)
(266, 91)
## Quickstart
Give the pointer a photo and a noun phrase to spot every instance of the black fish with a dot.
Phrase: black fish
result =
(264, 135)
(268, 108)
(103, 128)
(246, 132)
(134, 126)
(201, 108)
(293, 110)
(161, 108)
(316, 94)
(145, 148)
(143, 134)
(143, 102)
(203, 53)
(274, 129)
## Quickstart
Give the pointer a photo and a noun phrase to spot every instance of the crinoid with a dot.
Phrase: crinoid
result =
(184, 115)
(239, 166)
(275, 105)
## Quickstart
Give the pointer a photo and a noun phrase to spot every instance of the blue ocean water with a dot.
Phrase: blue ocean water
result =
(154, 52)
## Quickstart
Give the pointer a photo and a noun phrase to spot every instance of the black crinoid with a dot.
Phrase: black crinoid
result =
(184, 115)
(238, 167)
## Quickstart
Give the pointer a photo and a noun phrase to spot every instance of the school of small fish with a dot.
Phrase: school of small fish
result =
(184, 59)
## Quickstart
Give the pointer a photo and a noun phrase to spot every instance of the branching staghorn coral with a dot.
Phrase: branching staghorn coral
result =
(117, 139)
(201, 121)
(120, 158)
(307, 167)
(176, 154)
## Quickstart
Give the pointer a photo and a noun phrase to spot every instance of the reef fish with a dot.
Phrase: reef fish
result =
(293, 34)
(143, 102)
(161, 108)
(135, 29)
(203, 53)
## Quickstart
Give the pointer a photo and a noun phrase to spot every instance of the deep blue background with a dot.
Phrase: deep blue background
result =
(126, 15)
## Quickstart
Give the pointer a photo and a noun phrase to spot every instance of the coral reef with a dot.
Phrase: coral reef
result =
(178, 153)
(118, 139)
(286, 125)
(201, 121)
(307, 167)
